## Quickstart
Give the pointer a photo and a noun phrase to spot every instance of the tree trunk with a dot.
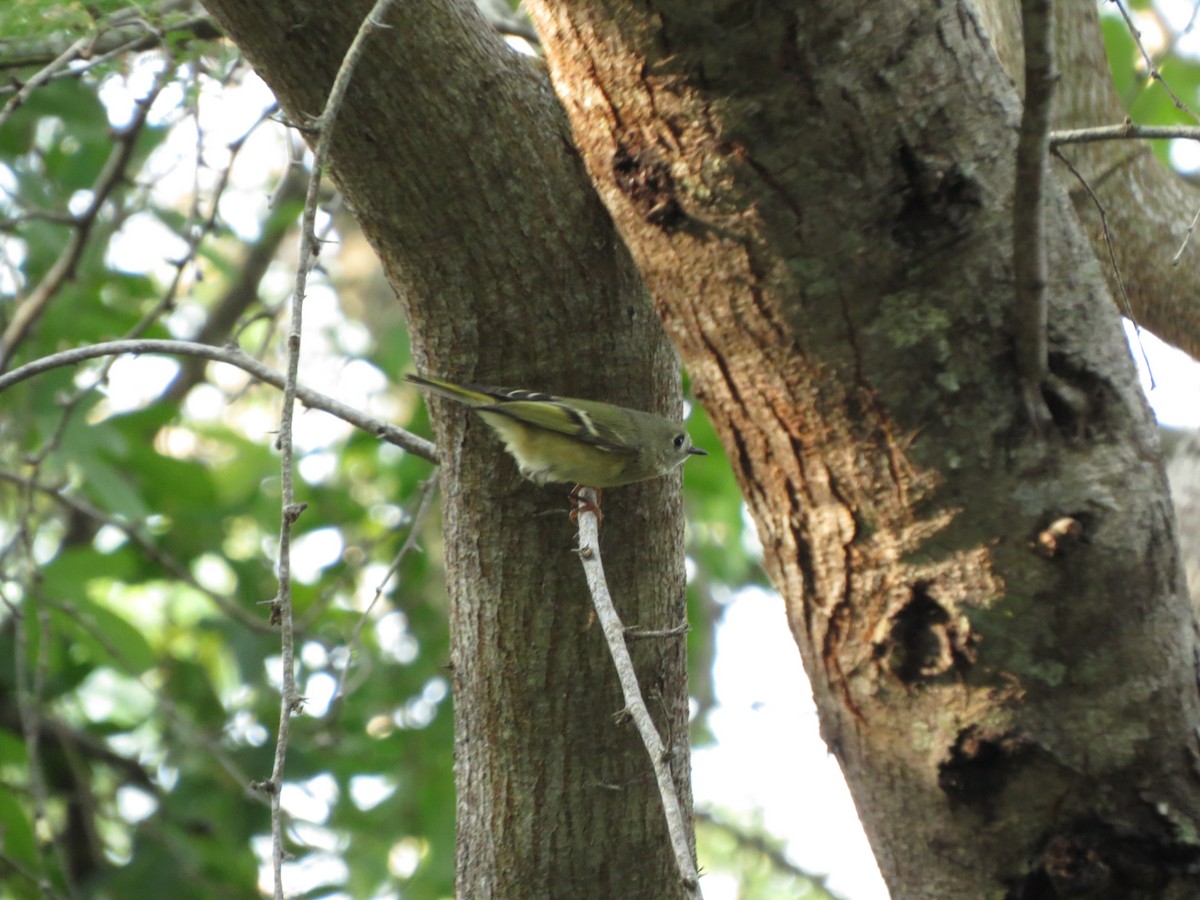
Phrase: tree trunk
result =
(819, 196)
(456, 159)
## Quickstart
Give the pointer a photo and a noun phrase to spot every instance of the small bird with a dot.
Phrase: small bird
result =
(581, 442)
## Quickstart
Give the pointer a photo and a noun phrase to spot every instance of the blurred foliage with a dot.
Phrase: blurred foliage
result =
(1165, 31)
(731, 844)
(37, 18)
(139, 689)
(139, 519)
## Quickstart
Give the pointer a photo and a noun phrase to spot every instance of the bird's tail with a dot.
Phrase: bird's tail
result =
(458, 392)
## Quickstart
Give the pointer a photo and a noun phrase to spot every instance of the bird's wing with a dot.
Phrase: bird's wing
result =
(552, 414)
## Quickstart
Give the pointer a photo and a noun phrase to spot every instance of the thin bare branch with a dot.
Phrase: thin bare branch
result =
(30, 697)
(197, 228)
(243, 291)
(54, 66)
(635, 706)
(763, 846)
(1126, 306)
(1187, 238)
(1126, 131)
(234, 357)
(181, 722)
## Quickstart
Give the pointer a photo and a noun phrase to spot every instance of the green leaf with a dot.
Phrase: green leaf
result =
(17, 831)
(65, 100)
(100, 636)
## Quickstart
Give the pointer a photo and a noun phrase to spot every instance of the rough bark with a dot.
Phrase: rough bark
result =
(1183, 474)
(455, 158)
(994, 623)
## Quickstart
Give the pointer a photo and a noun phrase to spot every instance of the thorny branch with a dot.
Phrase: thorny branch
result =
(289, 701)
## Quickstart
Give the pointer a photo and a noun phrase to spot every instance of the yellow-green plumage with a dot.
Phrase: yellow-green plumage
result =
(562, 439)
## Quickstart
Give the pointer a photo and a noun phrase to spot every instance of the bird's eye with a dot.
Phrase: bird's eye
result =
(679, 439)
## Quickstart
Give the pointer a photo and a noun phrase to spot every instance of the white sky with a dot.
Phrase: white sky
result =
(770, 757)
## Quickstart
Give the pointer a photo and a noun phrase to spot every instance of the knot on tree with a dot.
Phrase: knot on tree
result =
(980, 764)
(644, 175)
(926, 640)
(1095, 859)
(938, 201)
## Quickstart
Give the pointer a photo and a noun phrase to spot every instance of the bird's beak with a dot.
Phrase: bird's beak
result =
(696, 451)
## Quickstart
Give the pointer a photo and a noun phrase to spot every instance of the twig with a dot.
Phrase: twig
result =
(635, 706)
(1126, 131)
(197, 228)
(1187, 237)
(43, 886)
(1191, 22)
(290, 509)
(30, 698)
(234, 357)
(1126, 306)
(243, 292)
(1029, 227)
(48, 72)
(639, 634)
